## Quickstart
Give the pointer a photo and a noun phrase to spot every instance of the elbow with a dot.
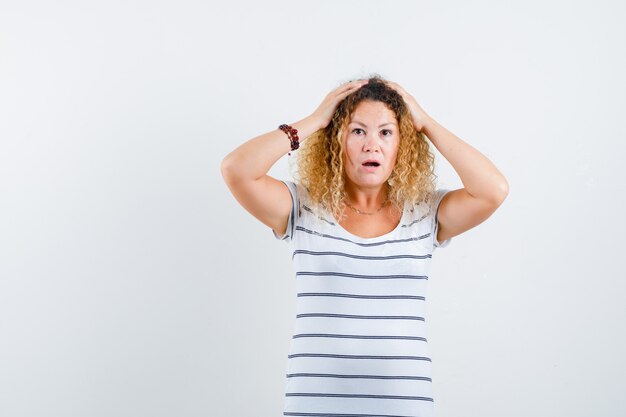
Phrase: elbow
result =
(498, 193)
(226, 168)
(504, 188)
(503, 191)
(232, 171)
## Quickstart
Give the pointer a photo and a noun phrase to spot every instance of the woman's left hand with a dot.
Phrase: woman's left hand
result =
(420, 118)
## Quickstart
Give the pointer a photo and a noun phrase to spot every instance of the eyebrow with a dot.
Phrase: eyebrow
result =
(384, 124)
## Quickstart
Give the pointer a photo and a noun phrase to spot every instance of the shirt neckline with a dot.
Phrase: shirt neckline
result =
(369, 239)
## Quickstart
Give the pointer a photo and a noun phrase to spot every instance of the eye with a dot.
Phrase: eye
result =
(387, 130)
(354, 130)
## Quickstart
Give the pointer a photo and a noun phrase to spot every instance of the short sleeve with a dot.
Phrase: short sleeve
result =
(439, 194)
(294, 214)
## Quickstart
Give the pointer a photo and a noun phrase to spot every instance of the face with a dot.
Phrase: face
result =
(370, 145)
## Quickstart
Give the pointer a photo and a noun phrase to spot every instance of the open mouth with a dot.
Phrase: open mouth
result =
(371, 164)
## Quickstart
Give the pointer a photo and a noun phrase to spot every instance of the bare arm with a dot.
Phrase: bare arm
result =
(245, 169)
(485, 188)
(245, 173)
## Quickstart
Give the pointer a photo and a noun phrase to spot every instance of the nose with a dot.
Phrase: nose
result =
(371, 143)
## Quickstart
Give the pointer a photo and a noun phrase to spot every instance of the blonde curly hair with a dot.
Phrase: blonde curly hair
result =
(320, 159)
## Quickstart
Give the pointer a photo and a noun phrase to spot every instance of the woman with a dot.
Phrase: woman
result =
(362, 221)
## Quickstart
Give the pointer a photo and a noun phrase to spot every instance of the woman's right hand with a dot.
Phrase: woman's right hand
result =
(324, 113)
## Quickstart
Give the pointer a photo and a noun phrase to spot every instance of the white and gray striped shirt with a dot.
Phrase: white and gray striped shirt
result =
(359, 346)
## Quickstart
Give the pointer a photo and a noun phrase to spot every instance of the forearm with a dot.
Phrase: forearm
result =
(479, 175)
(254, 158)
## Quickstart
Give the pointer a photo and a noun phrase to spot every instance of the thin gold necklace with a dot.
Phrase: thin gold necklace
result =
(363, 212)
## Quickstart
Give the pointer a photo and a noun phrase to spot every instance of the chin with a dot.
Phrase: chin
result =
(370, 183)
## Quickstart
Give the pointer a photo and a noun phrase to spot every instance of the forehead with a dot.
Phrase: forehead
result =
(376, 112)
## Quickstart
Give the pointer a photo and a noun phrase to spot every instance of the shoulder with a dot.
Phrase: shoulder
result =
(420, 208)
(424, 209)
(307, 207)
(316, 213)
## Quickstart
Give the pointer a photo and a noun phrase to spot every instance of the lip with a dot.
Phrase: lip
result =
(371, 168)
(372, 160)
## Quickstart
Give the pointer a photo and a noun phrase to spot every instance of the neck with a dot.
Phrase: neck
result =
(367, 199)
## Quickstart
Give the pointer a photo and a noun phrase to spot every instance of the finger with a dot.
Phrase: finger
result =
(399, 89)
(350, 87)
(352, 83)
(396, 86)
(351, 90)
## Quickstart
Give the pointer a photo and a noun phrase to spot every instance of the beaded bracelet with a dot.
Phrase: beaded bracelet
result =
(293, 136)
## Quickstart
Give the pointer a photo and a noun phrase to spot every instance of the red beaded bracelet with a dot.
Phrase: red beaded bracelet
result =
(293, 136)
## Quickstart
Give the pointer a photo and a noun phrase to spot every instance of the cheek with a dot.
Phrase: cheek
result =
(393, 152)
(350, 150)
(392, 148)
(396, 146)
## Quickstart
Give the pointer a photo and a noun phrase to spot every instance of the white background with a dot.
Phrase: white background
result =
(133, 284)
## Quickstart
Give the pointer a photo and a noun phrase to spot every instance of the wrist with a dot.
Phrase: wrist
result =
(306, 127)
(428, 124)
(315, 121)
(310, 124)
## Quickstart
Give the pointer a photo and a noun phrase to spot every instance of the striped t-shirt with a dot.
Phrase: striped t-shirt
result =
(359, 346)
